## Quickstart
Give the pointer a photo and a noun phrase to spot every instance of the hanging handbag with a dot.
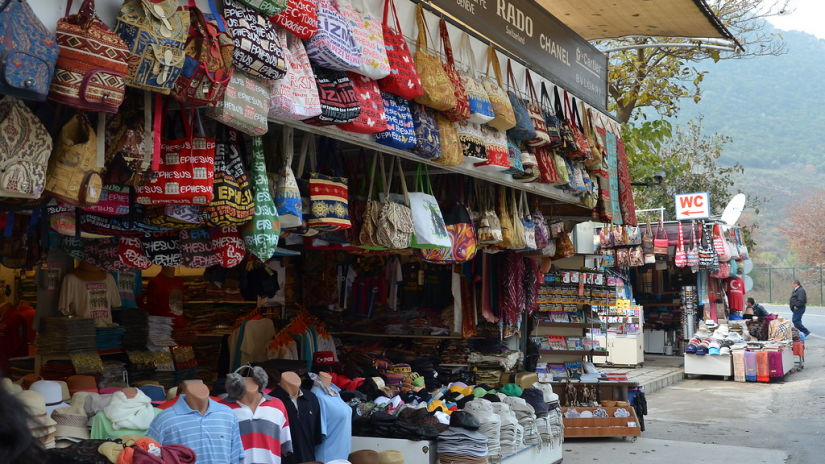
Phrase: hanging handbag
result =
(229, 245)
(73, 175)
(333, 45)
(647, 245)
(463, 242)
(633, 235)
(130, 251)
(400, 131)
(208, 68)
(428, 222)
(233, 202)
(708, 259)
(594, 140)
(372, 118)
(174, 216)
(542, 137)
(91, 68)
(128, 157)
(527, 223)
(155, 33)
(370, 36)
(403, 79)
(568, 141)
(660, 242)
(542, 231)
(25, 148)
(504, 118)
(438, 90)
(514, 157)
(395, 225)
(473, 144)
(498, 158)
(547, 165)
(261, 233)
(564, 246)
(451, 153)
(720, 245)
(185, 174)
(339, 102)
(552, 122)
(461, 110)
(28, 50)
(267, 8)
(427, 140)
(489, 226)
(299, 18)
(680, 259)
(481, 109)
(692, 254)
(245, 105)
(287, 195)
(295, 96)
(740, 243)
(258, 51)
(197, 250)
(508, 239)
(519, 228)
(582, 151)
(372, 208)
(523, 129)
(328, 195)
(529, 166)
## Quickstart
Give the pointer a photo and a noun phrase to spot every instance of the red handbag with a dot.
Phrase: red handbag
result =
(547, 165)
(300, 18)
(372, 119)
(582, 151)
(719, 244)
(461, 110)
(681, 257)
(660, 242)
(403, 80)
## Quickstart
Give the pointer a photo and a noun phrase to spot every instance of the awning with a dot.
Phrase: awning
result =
(610, 19)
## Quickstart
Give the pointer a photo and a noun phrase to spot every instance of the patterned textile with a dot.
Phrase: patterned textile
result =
(295, 97)
(197, 250)
(400, 131)
(205, 73)
(339, 101)
(229, 245)
(25, 147)
(262, 235)
(232, 202)
(328, 207)
(300, 18)
(28, 52)
(613, 176)
(403, 81)
(626, 203)
(267, 7)
(334, 46)
(245, 104)
(257, 48)
(372, 118)
(369, 34)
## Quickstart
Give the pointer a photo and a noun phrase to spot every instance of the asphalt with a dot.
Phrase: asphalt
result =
(724, 422)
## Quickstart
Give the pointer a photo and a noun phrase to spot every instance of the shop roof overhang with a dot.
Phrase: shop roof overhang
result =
(611, 19)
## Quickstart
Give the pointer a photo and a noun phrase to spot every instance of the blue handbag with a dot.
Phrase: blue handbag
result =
(28, 50)
(524, 129)
(548, 111)
(400, 131)
(514, 155)
(427, 137)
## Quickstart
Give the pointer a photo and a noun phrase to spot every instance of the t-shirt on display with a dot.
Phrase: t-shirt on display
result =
(89, 298)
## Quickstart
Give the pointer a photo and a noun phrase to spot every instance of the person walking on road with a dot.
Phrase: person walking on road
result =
(798, 301)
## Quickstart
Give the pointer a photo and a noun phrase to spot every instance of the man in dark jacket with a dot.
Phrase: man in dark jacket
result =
(798, 301)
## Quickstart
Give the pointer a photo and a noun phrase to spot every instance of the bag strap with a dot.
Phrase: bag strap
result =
(511, 78)
(386, 177)
(576, 119)
(531, 88)
(372, 175)
(679, 244)
(465, 49)
(422, 41)
(403, 181)
(387, 4)
(492, 60)
(303, 155)
(288, 146)
(445, 43)
(545, 102)
(155, 127)
(557, 103)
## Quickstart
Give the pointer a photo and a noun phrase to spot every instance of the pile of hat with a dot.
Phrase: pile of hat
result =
(462, 443)
(490, 422)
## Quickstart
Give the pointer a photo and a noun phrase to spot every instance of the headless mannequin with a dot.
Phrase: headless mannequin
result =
(88, 272)
(130, 392)
(291, 383)
(252, 396)
(326, 378)
(197, 395)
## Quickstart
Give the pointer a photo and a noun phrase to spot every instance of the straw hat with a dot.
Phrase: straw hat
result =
(9, 386)
(52, 393)
(72, 422)
(364, 457)
(390, 457)
(36, 405)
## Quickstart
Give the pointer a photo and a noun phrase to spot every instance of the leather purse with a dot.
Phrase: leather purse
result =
(28, 52)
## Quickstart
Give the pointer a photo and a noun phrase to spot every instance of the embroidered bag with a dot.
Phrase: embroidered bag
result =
(549, 114)
(300, 18)
(91, 68)
(295, 96)
(372, 208)
(568, 141)
(229, 245)
(403, 79)
(400, 131)
(681, 257)
(451, 153)
(508, 239)
(582, 151)
(25, 148)
(595, 142)
(339, 102)
(708, 259)
(439, 93)
(632, 235)
(206, 70)
(427, 140)
(472, 140)
(73, 175)
(328, 195)
(692, 254)
(504, 117)
(523, 130)
(155, 32)
(461, 110)
(542, 231)
(514, 157)
(333, 46)
(542, 137)
(489, 226)
(428, 222)
(187, 166)
(529, 165)
(197, 250)
(498, 156)
(258, 51)
(128, 156)
(527, 223)
(267, 8)
(245, 104)
(371, 119)
(462, 237)
(395, 224)
(547, 165)
(287, 195)
(233, 202)
(481, 109)
(369, 35)
(28, 50)
(261, 233)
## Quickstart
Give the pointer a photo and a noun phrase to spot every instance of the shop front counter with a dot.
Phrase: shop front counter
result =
(426, 451)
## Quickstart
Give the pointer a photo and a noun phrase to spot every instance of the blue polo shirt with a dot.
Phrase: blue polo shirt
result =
(214, 436)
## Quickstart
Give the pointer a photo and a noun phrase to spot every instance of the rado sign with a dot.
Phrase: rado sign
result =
(539, 39)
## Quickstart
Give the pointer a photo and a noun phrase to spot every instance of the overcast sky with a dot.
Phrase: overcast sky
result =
(808, 16)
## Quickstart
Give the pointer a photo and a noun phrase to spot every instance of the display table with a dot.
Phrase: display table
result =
(592, 427)
(426, 452)
(720, 365)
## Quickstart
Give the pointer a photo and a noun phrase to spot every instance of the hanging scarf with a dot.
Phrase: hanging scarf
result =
(130, 413)
(626, 202)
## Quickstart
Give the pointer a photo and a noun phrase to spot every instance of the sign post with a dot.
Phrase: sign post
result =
(692, 206)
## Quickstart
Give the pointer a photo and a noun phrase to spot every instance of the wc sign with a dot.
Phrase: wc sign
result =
(692, 206)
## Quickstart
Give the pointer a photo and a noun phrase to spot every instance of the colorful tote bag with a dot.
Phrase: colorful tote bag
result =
(295, 97)
(452, 153)
(400, 131)
(197, 250)
(472, 140)
(498, 155)
(333, 46)
(91, 69)
(427, 141)
(523, 130)
(403, 79)
(370, 36)
(395, 224)
(245, 105)
(542, 137)
(504, 117)
(25, 148)
(299, 18)
(339, 102)
(185, 174)
(28, 52)
(549, 114)
(233, 202)
(287, 195)
(461, 110)
(481, 109)
(268, 8)
(155, 33)
(462, 237)
(258, 51)
(261, 233)
(371, 119)
(430, 230)
(439, 93)
(328, 194)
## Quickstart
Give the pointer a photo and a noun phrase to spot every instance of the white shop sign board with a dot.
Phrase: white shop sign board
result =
(692, 206)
